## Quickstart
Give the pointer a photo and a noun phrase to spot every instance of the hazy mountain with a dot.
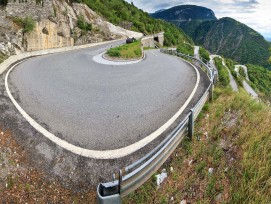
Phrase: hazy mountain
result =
(185, 13)
(160, 10)
(187, 17)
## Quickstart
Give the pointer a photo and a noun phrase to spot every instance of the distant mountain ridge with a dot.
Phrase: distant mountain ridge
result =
(184, 13)
(186, 17)
(225, 36)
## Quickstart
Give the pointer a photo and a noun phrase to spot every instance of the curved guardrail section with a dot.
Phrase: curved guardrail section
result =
(133, 176)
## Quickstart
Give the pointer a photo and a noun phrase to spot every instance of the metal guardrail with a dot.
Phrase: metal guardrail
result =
(133, 176)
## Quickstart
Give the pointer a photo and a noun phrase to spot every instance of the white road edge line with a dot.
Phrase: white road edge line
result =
(97, 154)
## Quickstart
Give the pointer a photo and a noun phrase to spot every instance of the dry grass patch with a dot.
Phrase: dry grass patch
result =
(227, 161)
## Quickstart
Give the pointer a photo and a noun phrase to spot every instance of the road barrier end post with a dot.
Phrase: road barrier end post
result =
(107, 199)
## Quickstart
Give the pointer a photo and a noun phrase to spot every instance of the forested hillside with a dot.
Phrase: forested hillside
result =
(233, 39)
(120, 12)
(260, 80)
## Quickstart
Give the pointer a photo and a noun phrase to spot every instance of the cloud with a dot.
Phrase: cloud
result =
(161, 6)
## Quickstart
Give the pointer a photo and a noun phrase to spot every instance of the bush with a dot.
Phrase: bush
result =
(186, 49)
(242, 72)
(204, 53)
(224, 79)
(83, 25)
(27, 23)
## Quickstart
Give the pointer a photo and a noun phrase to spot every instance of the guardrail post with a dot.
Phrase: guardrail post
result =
(191, 124)
(211, 92)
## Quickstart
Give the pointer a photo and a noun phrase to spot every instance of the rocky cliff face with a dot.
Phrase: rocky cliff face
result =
(56, 26)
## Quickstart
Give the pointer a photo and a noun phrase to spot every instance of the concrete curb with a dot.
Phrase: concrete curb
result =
(15, 58)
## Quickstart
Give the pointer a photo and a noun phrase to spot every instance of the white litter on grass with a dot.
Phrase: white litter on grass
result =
(211, 170)
(183, 202)
(161, 177)
(190, 162)
(171, 169)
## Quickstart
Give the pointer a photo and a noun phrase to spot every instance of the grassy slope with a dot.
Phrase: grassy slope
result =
(233, 137)
(126, 51)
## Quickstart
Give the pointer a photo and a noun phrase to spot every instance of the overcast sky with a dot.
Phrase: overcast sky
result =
(254, 13)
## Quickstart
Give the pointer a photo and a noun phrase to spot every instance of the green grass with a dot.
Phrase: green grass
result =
(187, 49)
(126, 51)
(223, 76)
(149, 48)
(204, 53)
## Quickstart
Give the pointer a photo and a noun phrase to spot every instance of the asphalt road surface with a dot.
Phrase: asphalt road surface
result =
(101, 107)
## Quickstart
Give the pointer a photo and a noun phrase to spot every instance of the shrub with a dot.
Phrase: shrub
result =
(82, 24)
(204, 53)
(186, 49)
(242, 72)
(27, 23)
(224, 79)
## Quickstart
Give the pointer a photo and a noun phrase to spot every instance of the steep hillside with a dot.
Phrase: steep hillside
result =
(260, 80)
(227, 161)
(186, 17)
(120, 12)
(234, 40)
(37, 25)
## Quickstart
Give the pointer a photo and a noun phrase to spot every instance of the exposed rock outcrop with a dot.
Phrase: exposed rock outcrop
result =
(56, 26)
